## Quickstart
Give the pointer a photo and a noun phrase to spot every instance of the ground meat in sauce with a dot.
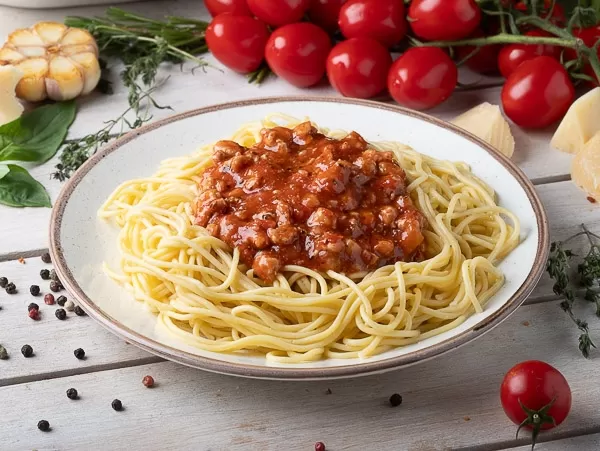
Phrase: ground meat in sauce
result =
(300, 198)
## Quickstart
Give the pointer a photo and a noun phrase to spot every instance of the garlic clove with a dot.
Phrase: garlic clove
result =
(68, 50)
(88, 63)
(78, 36)
(10, 107)
(10, 56)
(32, 51)
(32, 86)
(25, 38)
(64, 80)
(50, 32)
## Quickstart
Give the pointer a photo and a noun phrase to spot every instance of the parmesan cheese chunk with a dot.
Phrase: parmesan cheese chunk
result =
(585, 169)
(10, 107)
(580, 124)
(487, 122)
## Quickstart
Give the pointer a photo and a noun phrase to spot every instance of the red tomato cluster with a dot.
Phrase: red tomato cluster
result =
(245, 33)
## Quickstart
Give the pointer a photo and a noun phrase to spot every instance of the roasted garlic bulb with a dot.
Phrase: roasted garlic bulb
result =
(10, 107)
(57, 62)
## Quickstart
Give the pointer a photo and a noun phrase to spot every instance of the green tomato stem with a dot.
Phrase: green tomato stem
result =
(505, 38)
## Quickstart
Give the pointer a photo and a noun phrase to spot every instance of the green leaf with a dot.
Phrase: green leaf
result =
(19, 189)
(37, 135)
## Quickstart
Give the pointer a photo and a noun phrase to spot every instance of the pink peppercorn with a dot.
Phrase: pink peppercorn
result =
(34, 314)
(148, 381)
(49, 299)
(319, 446)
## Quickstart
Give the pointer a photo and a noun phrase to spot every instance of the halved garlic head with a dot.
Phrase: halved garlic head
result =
(10, 107)
(57, 62)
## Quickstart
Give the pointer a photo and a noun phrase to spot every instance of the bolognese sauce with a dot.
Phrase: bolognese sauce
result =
(300, 198)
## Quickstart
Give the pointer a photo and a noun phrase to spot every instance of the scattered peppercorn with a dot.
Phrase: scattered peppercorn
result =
(53, 275)
(46, 257)
(319, 446)
(21, 260)
(34, 290)
(61, 314)
(79, 311)
(328, 392)
(79, 353)
(3, 353)
(395, 400)
(72, 393)
(45, 274)
(117, 405)
(49, 299)
(27, 351)
(61, 300)
(591, 200)
(3, 282)
(55, 286)
(148, 381)
(11, 288)
(34, 314)
(33, 306)
(43, 425)
(69, 306)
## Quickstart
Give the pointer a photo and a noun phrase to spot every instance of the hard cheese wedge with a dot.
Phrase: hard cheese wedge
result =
(10, 107)
(585, 169)
(487, 122)
(580, 124)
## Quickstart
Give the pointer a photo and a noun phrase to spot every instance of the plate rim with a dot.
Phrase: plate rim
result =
(278, 372)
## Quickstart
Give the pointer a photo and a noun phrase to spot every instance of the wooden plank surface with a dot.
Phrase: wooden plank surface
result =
(448, 403)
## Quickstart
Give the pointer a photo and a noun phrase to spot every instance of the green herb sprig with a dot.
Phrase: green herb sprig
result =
(142, 44)
(567, 286)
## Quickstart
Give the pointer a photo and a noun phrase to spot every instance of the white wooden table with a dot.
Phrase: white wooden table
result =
(449, 403)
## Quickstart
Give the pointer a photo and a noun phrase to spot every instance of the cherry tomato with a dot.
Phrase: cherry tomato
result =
(325, 13)
(422, 78)
(443, 20)
(531, 386)
(237, 7)
(279, 12)
(589, 36)
(537, 93)
(237, 41)
(297, 53)
(485, 61)
(358, 67)
(382, 20)
(511, 56)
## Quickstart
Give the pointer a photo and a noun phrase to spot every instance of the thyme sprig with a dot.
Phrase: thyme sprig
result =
(142, 44)
(568, 286)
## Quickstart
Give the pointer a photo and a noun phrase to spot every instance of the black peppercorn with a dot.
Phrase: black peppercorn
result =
(27, 351)
(43, 425)
(79, 353)
(3, 282)
(46, 258)
(61, 300)
(33, 306)
(55, 286)
(11, 288)
(53, 275)
(34, 290)
(45, 274)
(61, 314)
(395, 400)
(3, 353)
(79, 311)
(117, 405)
(72, 393)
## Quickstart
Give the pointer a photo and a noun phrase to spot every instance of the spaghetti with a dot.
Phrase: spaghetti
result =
(203, 294)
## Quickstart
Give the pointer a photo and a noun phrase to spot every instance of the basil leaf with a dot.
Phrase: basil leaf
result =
(37, 135)
(19, 189)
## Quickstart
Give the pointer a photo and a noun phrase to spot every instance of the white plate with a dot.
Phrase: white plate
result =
(80, 242)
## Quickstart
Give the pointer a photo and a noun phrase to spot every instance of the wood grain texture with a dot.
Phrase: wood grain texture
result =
(53, 341)
(448, 403)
